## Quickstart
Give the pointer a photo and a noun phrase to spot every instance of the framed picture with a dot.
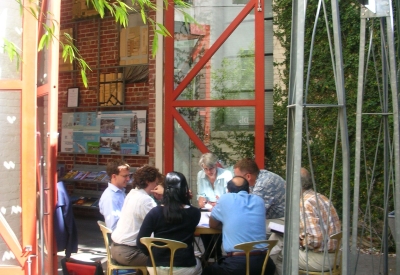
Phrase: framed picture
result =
(73, 97)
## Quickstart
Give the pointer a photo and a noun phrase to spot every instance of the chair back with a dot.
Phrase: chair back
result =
(337, 266)
(105, 231)
(111, 263)
(162, 243)
(249, 246)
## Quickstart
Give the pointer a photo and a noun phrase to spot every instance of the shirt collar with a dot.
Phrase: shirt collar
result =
(115, 188)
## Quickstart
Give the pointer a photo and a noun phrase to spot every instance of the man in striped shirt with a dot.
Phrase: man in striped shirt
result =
(318, 221)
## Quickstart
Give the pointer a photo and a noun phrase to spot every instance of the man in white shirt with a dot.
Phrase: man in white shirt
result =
(136, 206)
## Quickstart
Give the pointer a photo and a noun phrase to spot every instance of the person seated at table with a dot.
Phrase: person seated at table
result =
(233, 210)
(137, 204)
(112, 199)
(211, 184)
(317, 214)
(174, 219)
(265, 184)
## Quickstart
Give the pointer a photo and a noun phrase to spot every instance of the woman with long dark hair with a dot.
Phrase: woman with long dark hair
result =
(174, 219)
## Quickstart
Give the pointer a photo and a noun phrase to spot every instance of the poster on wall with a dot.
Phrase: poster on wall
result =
(119, 133)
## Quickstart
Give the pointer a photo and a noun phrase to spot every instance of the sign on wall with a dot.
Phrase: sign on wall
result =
(119, 133)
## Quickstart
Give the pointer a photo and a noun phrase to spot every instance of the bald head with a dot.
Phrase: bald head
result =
(237, 184)
(305, 178)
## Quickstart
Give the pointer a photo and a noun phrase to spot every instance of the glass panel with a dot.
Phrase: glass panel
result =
(43, 55)
(230, 72)
(269, 37)
(269, 72)
(11, 30)
(10, 168)
(227, 132)
(268, 8)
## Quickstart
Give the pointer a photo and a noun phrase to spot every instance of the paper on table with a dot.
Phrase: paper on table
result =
(277, 227)
(205, 219)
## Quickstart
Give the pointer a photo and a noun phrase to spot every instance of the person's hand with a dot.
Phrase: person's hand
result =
(202, 202)
(158, 192)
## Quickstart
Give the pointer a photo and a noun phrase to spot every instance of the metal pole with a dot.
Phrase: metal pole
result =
(41, 224)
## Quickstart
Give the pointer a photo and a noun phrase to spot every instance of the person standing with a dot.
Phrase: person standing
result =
(112, 199)
(174, 219)
(232, 210)
(211, 184)
(136, 206)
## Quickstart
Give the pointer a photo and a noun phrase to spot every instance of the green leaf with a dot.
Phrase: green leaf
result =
(154, 47)
(43, 41)
(84, 77)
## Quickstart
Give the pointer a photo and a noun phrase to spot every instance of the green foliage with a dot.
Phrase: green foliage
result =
(12, 51)
(322, 123)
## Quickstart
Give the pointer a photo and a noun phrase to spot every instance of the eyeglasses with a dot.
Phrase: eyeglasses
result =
(125, 176)
(209, 169)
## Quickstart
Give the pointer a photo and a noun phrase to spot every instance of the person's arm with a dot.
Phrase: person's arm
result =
(146, 229)
(158, 192)
(215, 223)
(111, 212)
(314, 237)
(201, 195)
(268, 189)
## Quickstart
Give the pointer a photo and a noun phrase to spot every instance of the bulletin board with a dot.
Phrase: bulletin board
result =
(104, 133)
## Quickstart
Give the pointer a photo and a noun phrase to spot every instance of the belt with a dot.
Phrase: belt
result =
(119, 244)
(252, 253)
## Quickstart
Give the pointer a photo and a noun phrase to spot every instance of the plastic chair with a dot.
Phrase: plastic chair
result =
(337, 267)
(111, 263)
(249, 246)
(165, 243)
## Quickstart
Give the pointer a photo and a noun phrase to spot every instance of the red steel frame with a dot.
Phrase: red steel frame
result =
(30, 144)
(171, 94)
(27, 86)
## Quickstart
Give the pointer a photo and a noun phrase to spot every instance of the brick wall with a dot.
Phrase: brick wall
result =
(98, 42)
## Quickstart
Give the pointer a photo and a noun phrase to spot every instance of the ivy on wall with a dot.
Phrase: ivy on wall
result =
(322, 122)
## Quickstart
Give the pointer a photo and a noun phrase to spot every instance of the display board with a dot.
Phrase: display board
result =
(118, 133)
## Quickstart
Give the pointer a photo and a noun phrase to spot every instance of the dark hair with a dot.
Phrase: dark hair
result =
(176, 194)
(145, 174)
(247, 165)
(236, 188)
(114, 166)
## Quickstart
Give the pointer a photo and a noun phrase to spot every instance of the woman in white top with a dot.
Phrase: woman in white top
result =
(211, 184)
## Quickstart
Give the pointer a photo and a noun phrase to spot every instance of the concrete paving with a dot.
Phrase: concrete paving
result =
(91, 248)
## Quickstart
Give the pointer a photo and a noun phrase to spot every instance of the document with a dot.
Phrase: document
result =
(204, 219)
(276, 227)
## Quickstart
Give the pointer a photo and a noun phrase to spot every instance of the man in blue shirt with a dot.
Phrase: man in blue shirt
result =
(232, 211)
(112, 199)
